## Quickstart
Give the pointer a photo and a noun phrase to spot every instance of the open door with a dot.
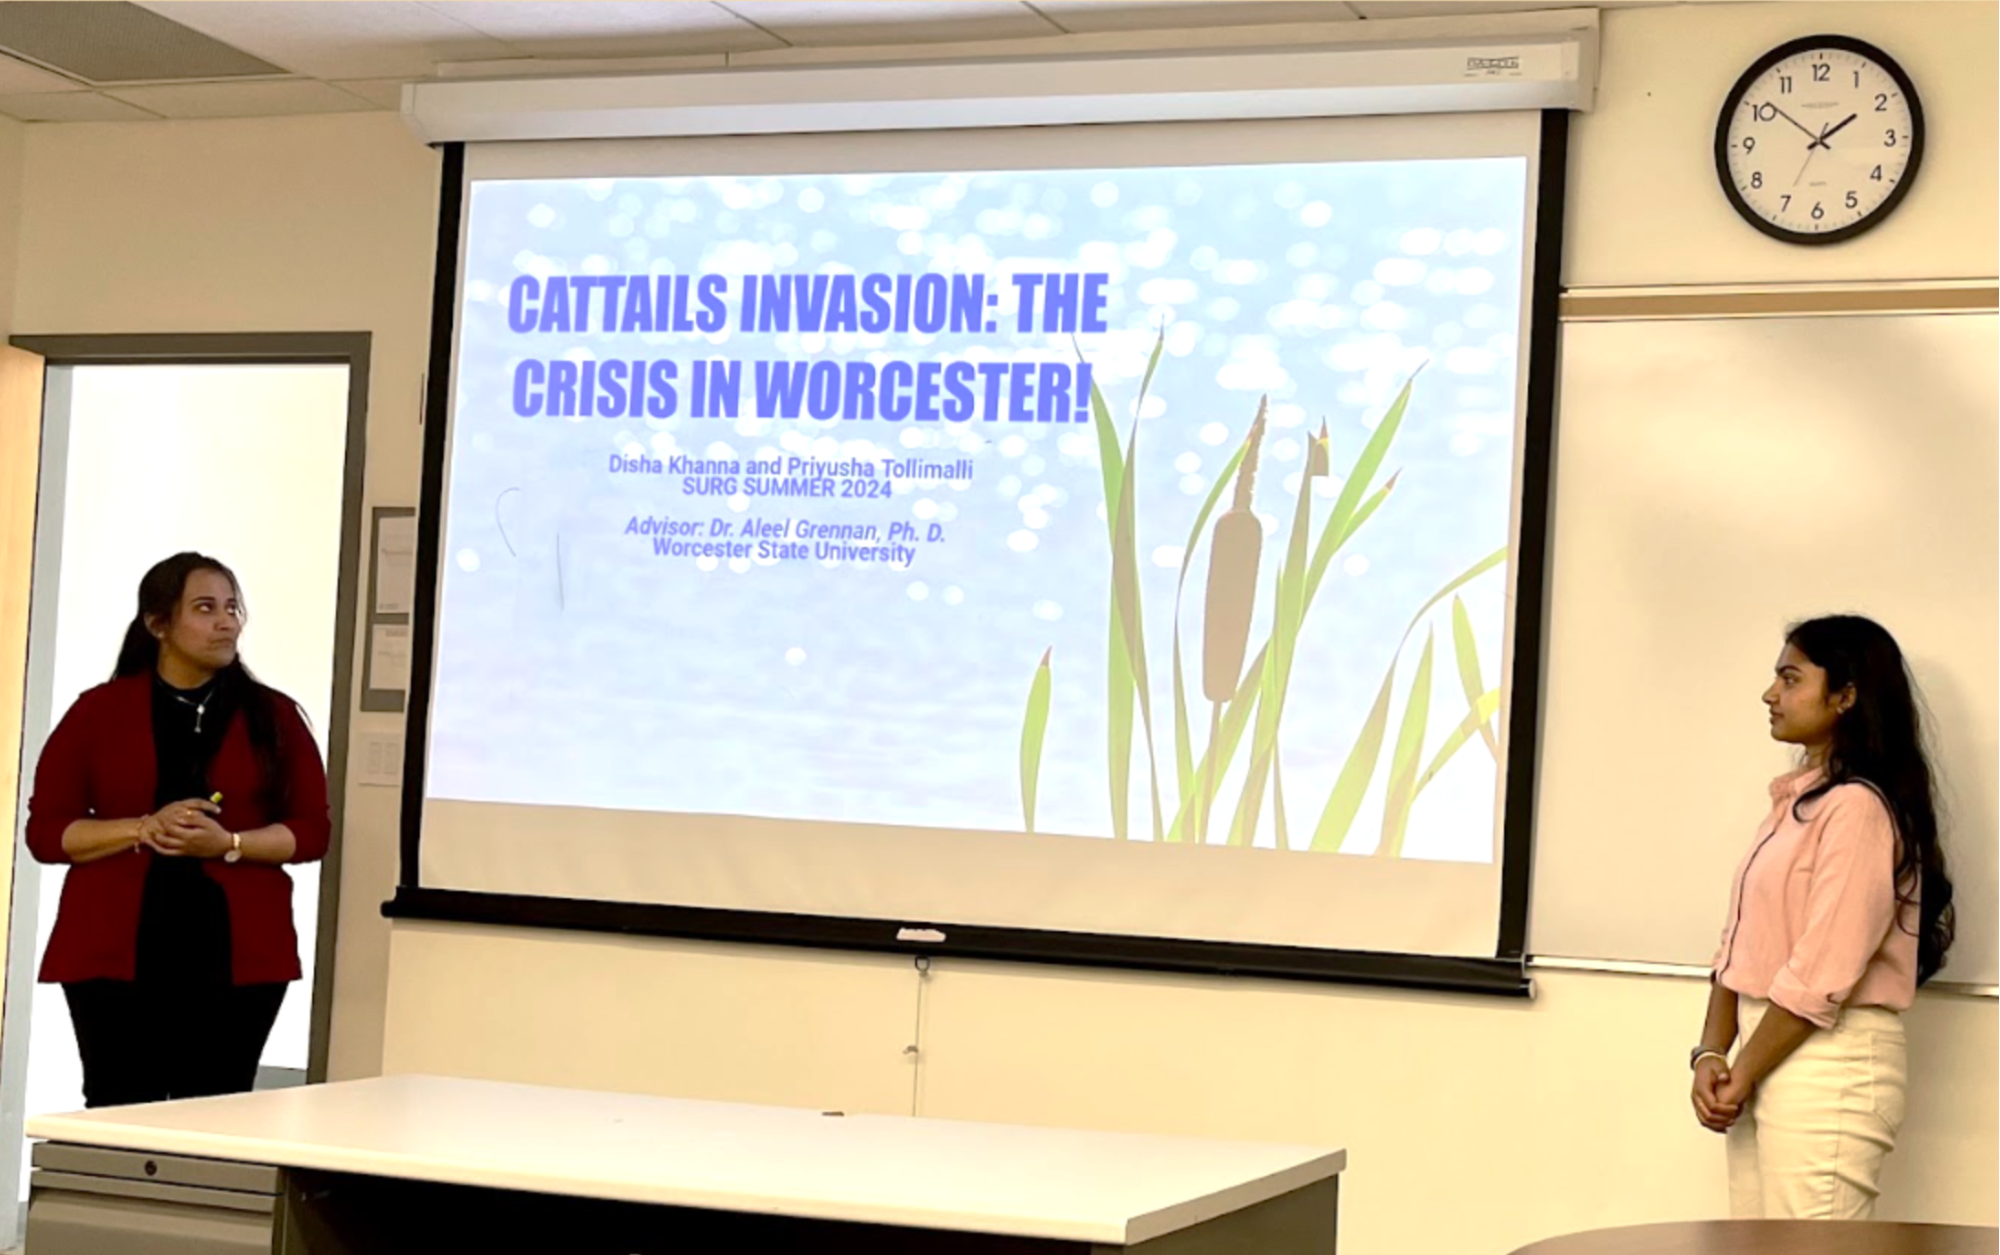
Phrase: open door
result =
(280, 418)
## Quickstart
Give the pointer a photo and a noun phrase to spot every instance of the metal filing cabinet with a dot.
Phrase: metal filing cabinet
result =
(86, 1201)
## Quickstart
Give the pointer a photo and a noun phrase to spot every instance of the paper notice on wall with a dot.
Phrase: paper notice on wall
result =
(378, 760)
(395, 565)
(389, 656)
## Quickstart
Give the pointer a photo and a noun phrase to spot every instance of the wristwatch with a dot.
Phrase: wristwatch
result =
(235, 850)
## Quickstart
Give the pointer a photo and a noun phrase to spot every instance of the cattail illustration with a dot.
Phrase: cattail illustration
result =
(1236, 547)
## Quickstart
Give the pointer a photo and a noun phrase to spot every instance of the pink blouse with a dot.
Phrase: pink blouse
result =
(1814, 924)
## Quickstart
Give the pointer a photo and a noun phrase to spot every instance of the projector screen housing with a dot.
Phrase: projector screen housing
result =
(1553, 69)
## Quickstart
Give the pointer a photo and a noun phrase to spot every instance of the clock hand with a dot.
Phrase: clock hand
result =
(1833, 130)
(1794, 121)
(1808, 161)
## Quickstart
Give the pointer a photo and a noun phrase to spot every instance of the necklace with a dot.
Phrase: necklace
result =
(200, 708)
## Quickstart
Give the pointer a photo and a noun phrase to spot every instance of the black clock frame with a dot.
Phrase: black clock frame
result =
(1812, 43)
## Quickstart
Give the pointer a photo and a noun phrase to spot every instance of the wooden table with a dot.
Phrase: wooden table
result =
(426, 1164)
(1776, 1237)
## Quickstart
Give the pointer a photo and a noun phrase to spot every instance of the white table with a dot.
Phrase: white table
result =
(414, 1161)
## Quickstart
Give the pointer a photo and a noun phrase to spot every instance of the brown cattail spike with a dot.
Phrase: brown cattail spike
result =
(1320, 461)
(1246, 474)
(1235, 549)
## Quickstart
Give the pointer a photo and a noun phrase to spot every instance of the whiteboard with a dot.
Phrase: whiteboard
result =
(1714, 481)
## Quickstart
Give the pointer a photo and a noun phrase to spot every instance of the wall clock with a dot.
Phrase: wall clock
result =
(1819, 140)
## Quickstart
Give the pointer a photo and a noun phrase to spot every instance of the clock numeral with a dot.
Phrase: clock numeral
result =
(1853, 201)
(1756, 178)
(1785, 83)
(1876, 174)
(1888, 139)
(1822, 72)
(1766, 112)
(1749, 143)
(1881, 102)
(1819, 211)
(1857, 78)
(1786, 198)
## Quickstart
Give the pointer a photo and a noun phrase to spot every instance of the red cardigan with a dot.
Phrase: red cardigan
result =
(99, 763)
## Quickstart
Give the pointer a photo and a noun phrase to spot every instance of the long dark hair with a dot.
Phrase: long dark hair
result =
(160, 592)
(1879, 741)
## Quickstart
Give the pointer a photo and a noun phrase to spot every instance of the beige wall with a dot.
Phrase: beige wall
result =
(1474, 1126)
(13, 140)
(1644, 207)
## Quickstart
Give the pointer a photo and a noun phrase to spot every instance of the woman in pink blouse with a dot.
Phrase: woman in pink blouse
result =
(1839, 911)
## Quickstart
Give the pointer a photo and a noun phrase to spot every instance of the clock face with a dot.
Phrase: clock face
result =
(1819, 140)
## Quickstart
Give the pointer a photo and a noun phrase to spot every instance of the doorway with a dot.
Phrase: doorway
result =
(247, 448)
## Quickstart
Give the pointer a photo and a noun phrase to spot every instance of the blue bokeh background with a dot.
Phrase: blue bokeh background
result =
(574, 668)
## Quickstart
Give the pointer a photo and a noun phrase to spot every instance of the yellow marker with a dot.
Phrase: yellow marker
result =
(215, 798)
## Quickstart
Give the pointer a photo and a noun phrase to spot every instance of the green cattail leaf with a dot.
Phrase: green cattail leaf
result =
(1130, 620)
(1278, 799)
(1331, 541)
(1371, 457)
(1118, 664)
(1344, 802)
(1483, 708)
(1359, 770)
(1404, 758)
(1152, 364)
(1215, 762)
(1034, 728)
(1467, 650)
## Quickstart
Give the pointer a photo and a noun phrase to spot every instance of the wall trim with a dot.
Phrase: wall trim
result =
(1685, 971)
(1971, 296)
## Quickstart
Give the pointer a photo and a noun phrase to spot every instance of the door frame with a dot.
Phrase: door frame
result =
(346, 348)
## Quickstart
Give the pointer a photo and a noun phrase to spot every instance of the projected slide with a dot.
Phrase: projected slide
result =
(1164, 505)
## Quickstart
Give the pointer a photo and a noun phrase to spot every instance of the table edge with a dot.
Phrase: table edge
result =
(150, 1139)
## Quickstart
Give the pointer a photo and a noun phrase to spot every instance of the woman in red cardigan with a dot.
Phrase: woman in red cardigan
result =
(176, 793)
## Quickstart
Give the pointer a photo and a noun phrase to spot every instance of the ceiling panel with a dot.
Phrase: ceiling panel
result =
(19, 76)
(829, 23)
(115, 42)
(1093, 16)
(70, 107)
(242, 100)
(609, 28)
(337, 38)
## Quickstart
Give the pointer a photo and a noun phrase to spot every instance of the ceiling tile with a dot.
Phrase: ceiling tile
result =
(336, 38)
(609, 28)
(118, 42)
(242, 100)
(828, 23)
(17, 77)
(1094, 16)
(385, 93)
(71, 107)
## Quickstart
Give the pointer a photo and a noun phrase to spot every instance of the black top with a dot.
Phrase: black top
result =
(184, 918)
